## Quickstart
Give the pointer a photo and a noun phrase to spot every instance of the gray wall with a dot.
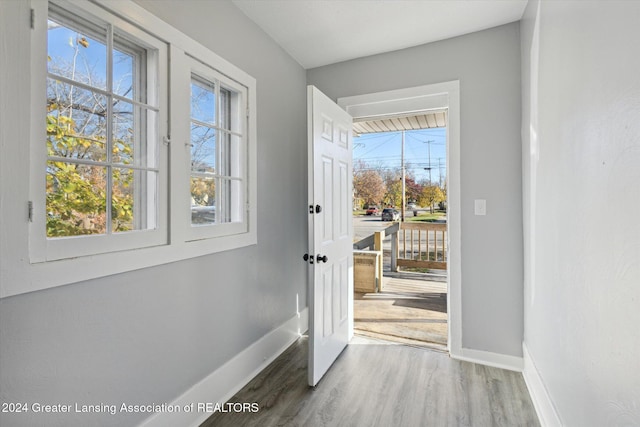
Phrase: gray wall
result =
(487, 63)
(149, 335)
(581, 157)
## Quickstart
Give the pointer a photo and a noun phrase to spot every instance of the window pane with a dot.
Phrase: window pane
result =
(122, 200)
(76, 201)
(230, 163)
(124, 74)
(203, 200)
(203, 102)
(224, 167)
(129, 133)
(133, 200)
(231, 200)
(203, 149)
(76, 55)
(76, 122)
(225, 108)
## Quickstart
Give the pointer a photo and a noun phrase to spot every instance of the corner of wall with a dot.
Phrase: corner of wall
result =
(496, 360)
(542, 402)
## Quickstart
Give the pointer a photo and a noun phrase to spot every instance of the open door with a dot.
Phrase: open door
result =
(330, 254)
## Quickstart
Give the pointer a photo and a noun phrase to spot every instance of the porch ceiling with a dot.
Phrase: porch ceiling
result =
(431, 119)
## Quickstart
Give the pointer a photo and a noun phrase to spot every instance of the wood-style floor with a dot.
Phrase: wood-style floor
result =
(410, 308)
(375, 383)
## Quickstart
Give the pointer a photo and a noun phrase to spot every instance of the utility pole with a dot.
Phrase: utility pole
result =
(403, 186)
(428, 142)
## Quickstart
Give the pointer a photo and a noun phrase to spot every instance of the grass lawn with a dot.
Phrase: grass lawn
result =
(426, 216)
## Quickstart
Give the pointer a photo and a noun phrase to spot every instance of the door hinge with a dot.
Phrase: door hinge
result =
(30, 210)
(33, 19)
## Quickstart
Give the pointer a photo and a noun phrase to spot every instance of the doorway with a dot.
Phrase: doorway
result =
(411, 102)
(399, 183)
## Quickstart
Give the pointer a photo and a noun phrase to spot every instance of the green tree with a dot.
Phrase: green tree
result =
(76, 193)
(412, 191)
(431, 194)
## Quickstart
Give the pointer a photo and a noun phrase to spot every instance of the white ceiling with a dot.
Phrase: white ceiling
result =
(321, 32)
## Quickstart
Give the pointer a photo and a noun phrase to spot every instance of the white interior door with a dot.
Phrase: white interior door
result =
(330, 230)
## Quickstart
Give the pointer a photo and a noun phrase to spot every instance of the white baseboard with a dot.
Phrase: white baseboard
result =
(503, 361)
(547, 414)
(223, 383)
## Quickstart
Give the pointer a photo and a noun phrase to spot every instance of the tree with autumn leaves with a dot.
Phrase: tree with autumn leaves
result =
(381, 186)
(368, 185)
(76, 140)
(76, 193)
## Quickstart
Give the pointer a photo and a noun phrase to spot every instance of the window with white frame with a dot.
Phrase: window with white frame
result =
(218, 152)
(102, 173)
(110, 114)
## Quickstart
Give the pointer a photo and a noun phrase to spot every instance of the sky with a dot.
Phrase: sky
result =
(384, 149)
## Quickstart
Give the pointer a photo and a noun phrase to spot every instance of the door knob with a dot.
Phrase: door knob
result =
(322, 258)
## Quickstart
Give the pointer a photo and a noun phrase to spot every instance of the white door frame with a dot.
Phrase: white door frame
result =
(419, 99)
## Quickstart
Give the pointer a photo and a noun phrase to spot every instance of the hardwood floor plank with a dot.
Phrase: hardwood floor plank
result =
(376, 384)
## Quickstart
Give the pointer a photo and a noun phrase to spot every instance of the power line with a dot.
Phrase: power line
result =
(378, 146)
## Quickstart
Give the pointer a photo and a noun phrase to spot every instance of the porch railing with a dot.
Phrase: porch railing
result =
(422, 245)
(413, 244)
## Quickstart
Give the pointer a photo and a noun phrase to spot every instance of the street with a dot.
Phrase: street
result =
(366, 225)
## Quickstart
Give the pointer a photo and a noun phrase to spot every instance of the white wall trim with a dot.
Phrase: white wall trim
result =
(223, 383)
(424, 98)
(496, 360)
(547, 414)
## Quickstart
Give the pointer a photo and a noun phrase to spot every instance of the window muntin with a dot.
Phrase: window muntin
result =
(102, 171)
(217, 181)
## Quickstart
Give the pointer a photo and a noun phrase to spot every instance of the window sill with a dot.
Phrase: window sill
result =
(30, 277)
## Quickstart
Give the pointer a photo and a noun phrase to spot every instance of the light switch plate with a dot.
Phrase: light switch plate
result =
(480, 207)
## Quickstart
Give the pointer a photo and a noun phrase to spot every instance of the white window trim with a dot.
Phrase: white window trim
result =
(20, 271)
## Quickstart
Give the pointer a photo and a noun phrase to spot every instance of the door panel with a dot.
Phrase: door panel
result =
(345, 208)
(330, 231)
(327, 200)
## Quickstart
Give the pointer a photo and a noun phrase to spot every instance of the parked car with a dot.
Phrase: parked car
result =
(389, 214)
(372, 210)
